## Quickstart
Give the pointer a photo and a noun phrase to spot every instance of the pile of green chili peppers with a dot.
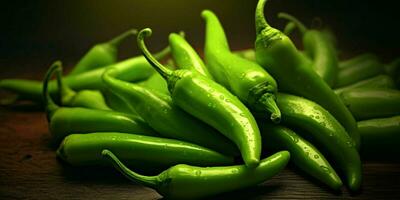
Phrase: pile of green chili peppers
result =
(197, 127)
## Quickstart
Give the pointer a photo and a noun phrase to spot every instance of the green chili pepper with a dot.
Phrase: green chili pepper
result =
(158, 110)
(102, 54)
(303, 153)
(245, 79)
(293, 72)
(84, 98)
(190, 182)
(211, 103)
(185, 56)
(249, 54)
(137, 150)
(133, 69)
(368, 103)
(359, 71)
(357, 59)
(319, 48)
(64, 121)
(325, 132)
(380, 81)
(380, 137)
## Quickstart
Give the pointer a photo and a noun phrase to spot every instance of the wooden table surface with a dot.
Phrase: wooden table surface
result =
(29, 169)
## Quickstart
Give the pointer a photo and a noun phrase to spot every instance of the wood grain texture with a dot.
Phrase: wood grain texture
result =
(29, 169)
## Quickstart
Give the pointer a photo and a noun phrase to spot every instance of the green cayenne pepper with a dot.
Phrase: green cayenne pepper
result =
(137, 150)
(294, 74)
(368, 103)
(190, 182)
(303, 154)
(245, 79)
(324, 131)
(211, 103)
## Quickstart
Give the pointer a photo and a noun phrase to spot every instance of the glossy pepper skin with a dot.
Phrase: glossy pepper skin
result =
(245, 79)
(325, 132)
(84, 98)
(361, 70)
(320, 49)
(158, 110)
(380, 137)
(212, 104)
(137, 150)
(64, 120)
(293, 72)
(185, 56)
(303, 154)
(190, 182)
(380, 81)
(368, 103)
(132, 69)
(102, 54)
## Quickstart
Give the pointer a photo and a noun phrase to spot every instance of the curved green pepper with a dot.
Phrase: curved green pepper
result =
(102, 54)
(303, 153)
(357, 59)
(320, 49)
(137, 150)
(211, 103)
(293, 72)
(368, 103)
(190, 182)
(133, 69)
(323, 130)
(361, 70)
(64, 121)
(380, 137)
(245, 79)
(185, 56)
(380, 81)
(158, 110)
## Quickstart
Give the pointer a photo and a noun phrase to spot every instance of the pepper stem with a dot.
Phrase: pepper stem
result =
(261, 22)
(289, 28)
(118, 39)
(150, 181)
(65, 92)
(299, 24)
(268, 101)
(164, 71)
(49, 104)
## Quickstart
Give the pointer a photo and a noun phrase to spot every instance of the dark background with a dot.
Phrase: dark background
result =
(35, 33)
